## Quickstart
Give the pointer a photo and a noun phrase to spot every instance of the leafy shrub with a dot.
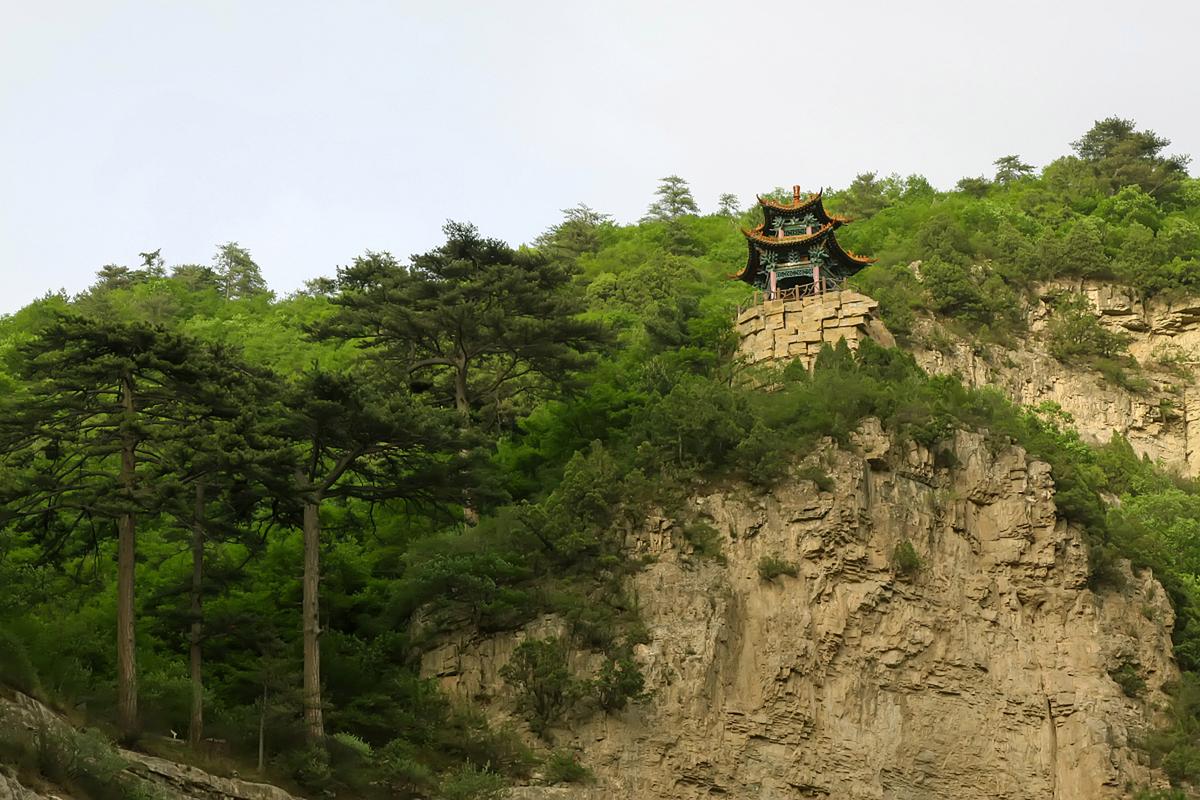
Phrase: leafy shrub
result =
(1183, 763)
(310, 767)
(818, 476)
(1162, 794)
(619, 681)
(771, 567)
(905, 559)
(704, 539)
(563, 767)
(474, 783)
(16, 668)
(400, 770)
(1128, 676)
(1076, 332)
(352, 744)
(87, 762)
(546, 688)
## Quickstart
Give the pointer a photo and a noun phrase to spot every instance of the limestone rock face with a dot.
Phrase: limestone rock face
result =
(983, 674)
(1161, 421)
(789, 330)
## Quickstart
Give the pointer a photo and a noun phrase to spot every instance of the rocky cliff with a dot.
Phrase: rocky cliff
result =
(1162, 420)
(983, 673)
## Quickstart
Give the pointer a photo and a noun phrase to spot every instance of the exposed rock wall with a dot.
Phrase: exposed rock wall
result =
(1162, 421)
(787, 330)
(983, 675)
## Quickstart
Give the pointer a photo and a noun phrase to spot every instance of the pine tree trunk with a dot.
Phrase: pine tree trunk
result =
(463, 404)
(313, 720)
(262, 732)
(196, 724)
(461, 400)
(127, 705)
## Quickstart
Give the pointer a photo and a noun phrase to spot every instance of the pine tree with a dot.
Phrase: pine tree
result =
(213, 479)
(1011, 168)
(727, 205)
(351, 441)
(102, 403)
(498, 323)
(674, 200)
(240, 277)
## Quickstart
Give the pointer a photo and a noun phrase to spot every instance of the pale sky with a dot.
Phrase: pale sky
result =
(312, 131)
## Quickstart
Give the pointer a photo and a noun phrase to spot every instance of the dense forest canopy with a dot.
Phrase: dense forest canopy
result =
(246, 516)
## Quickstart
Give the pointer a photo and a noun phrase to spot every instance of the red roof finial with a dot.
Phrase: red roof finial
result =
(796, 195)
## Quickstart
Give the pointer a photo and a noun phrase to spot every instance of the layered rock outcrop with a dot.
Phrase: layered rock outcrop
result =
(1160, 419)
(985, 673)
(797, 329)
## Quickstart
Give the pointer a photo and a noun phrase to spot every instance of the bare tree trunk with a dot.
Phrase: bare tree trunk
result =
(196, 724)
(127, 705)
(461, 401)
(463, 404)
(262, 731)
(313, 719)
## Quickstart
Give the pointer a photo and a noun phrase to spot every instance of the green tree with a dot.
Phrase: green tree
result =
(103, 401)
(546, 687)
(196, 277)
(975, 187)
(238, 274)
(502, 325)
(673, 200)
(728, 206)
(865, 197)
(579, 232)
(1010, 169)
(215, 479)
(1121, 155)
(353, 441)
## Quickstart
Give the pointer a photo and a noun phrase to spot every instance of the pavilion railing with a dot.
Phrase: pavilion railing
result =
(761, 296)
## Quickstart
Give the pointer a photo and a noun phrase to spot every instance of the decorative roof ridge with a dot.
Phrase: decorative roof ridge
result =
(796, 205)
(757, 235)
(850, 254)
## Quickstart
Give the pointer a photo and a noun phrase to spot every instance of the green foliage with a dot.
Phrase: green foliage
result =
(16, 668)
(619, 682)
(473, 783)
(541, 675)
(817, 475)
(562, 766)
(704, 539)
(1162, 794)
(1128, 675)
(1075, 333)
(905, 560)
(83, 762)
(771, 567)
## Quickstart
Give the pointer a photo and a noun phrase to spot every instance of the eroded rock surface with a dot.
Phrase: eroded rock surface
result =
(1161, 421)
(985, 674)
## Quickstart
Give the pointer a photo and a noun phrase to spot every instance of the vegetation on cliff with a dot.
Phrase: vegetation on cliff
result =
(286, 500)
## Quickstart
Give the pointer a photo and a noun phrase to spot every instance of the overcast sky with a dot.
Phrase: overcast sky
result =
(312, 131)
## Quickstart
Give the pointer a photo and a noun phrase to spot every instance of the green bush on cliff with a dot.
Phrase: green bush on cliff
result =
(546, 688)
(771, 567)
